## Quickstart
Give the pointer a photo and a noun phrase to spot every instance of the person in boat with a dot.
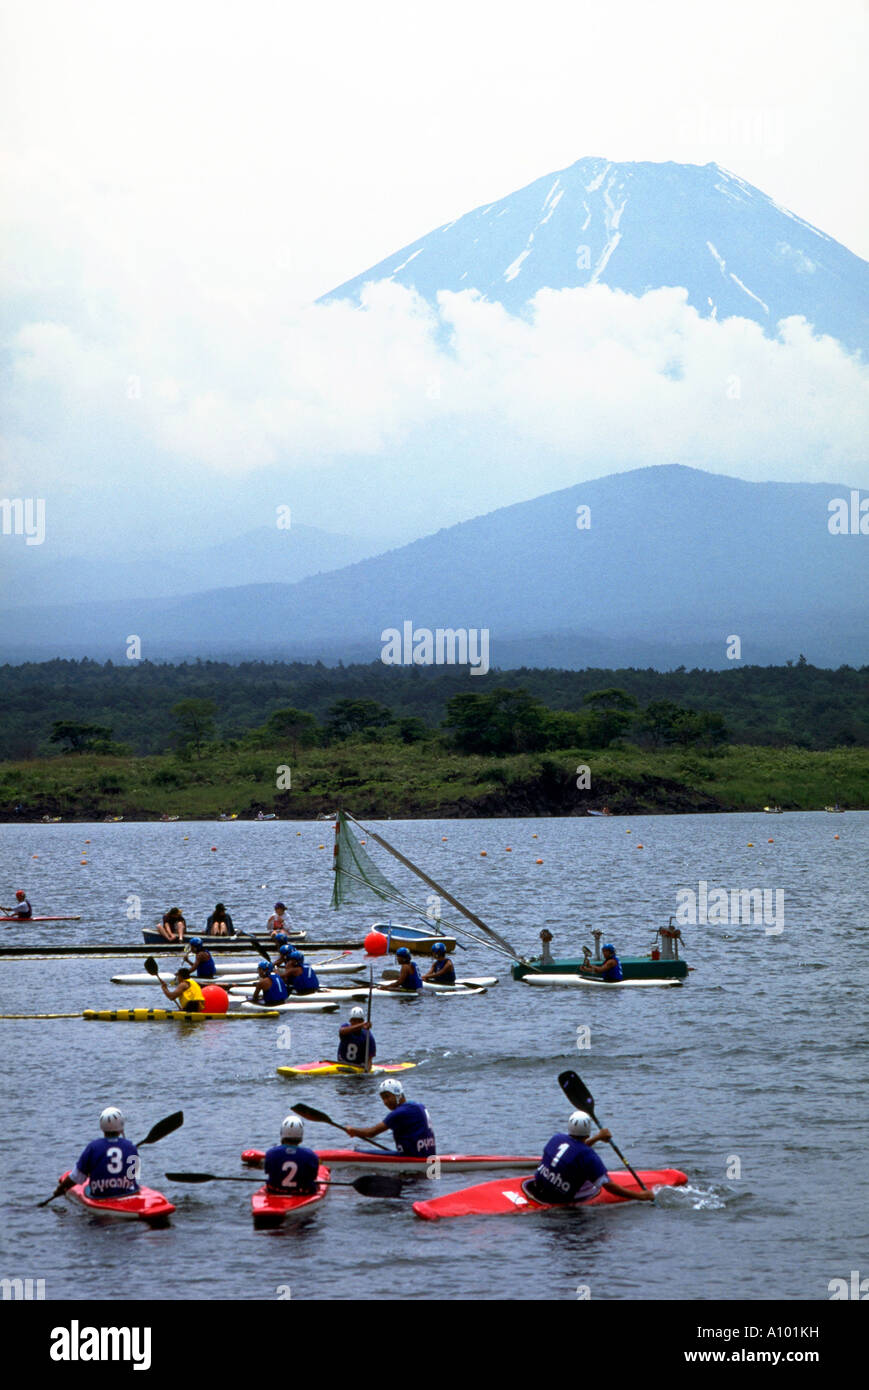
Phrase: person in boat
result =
(408, 974)
(299, 977)
(570, 1172)
(173, 925)
(109, 1165)
(269, 987)
(22, 907)
(290, 1167)
(442, 972)
(219, 922)
(277, 922)
(204, 967)
(610, 968)
(409, 1122)
(185, 992)
(545, 952)
(356, 1045)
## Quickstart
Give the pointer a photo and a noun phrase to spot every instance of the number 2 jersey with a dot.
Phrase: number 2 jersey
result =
(569, 1171)
(291, 1169)
(109, 1166)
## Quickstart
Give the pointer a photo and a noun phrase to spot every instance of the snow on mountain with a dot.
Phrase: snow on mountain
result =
(642, 226)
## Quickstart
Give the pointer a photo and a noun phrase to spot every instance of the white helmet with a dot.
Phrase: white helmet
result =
(391, 1087)
(112, 1120)
(292, 1129)
(580, 1125)
(357, 1013)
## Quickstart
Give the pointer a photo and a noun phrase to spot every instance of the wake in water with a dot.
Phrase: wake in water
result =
(713, 1198)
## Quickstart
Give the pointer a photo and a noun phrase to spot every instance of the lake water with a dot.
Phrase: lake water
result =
(751, 1078)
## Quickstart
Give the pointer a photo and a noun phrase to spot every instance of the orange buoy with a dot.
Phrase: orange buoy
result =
(375, 943)
(215, 999)
(770, 842)
(835, 837)
(639, 846)
(538, 861)
(751, 844)
(507, 849)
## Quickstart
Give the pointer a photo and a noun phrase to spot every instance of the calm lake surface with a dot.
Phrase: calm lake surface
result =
(752, 1078)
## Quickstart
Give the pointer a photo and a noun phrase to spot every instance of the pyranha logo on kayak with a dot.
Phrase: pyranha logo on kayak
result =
(75, 1343)
(739, 906)
(446, 646)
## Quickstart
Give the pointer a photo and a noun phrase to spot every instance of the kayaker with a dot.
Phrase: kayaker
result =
(408, 975)
(443, 972)
(356, 1045)
(277, 920)
(204, 967)
(610, 967)
(22, 907)
(290, 1167)
(173, 925)
(219, 922)
(410, 1123)
(570, 1172)
(185, 992)
(109, 1166)
(299, 977)
(269, 987)
(545, 952)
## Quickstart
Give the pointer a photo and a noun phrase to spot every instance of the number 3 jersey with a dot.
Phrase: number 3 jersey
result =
(569, 1171)
(291, 1169)
(109, 1166)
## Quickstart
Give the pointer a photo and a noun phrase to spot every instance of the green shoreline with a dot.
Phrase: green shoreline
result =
(421, 781)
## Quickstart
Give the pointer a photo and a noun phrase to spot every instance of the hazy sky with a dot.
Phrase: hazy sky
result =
(180, 178)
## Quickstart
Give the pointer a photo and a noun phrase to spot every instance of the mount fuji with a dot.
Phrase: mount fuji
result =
(637, 227)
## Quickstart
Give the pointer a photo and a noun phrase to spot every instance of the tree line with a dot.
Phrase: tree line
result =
(153, 707)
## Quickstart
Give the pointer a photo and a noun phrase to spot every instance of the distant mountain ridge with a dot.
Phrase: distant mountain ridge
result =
(673, 563)
(636, 227)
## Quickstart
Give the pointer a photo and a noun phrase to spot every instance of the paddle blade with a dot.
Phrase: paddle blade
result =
(308, 1112)
(163, 1127)
(378, 1185)
(151, 966)
(189, 1177)
(576, 1091)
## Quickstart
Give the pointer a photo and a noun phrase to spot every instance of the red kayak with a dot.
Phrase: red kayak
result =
(400, 1163)
(144, 1205)
(40, 919)
(500, 1197)
(271, 1210)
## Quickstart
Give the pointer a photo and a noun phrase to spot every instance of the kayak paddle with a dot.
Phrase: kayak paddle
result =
(581, 1098)
(155, 1133)
(320, 1117)
(368, 1029)
(369, 1185)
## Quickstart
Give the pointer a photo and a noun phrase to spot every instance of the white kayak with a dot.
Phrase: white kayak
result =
(590, 982)
(359, 994)
(302, 1005)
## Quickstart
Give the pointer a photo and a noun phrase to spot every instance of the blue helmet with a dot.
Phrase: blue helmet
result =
(287, 952)
(402, 953)
(265, 967)
(439, 949)
(610, 947)
(281, 937)
(196, 941)
(296, 955)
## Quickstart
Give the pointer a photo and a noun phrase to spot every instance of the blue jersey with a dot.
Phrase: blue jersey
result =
(569, 1171)
(110, 1166)
(446, 976)
(352, 1049)
(615, 974)
(414, 979)
(411, 1129)
(290, 1169)
(276, 991)
(206, 969)
(304, 983)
